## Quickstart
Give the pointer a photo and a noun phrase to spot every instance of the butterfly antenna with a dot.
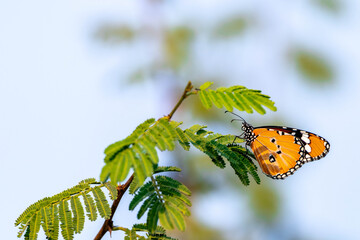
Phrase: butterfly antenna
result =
(241, 119)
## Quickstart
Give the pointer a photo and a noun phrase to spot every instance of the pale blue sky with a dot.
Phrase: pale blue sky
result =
(61, 101)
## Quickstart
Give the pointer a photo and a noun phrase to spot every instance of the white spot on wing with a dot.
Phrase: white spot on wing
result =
(307, 148)
(305, 139)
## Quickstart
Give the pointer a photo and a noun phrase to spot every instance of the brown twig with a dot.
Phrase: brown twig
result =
(108, 224)
(188, 88)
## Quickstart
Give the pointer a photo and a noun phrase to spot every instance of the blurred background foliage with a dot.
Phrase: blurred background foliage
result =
(176, 62)
(332, 6)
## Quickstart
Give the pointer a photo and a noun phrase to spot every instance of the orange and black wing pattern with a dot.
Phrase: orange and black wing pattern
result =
(280, 151)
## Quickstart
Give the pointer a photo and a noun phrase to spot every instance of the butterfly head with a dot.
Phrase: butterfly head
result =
(249, 135)
(248, 129)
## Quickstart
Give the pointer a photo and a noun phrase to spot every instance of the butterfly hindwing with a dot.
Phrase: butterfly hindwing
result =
(280, 151)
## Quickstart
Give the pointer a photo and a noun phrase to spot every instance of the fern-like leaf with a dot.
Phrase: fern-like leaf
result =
(118, 169)
(153, 214)
(54, 230)
(112, 190)
(145, 191)
(50, 211)
(90, 206)
(134, 186)
(35, 226)
(246, 158)
(174, 185)
(237, 97)
(138, 151)
(164, 198)
(101, 203)
(219, 147)
(78, 211)
(114, 148)
(239, 161)
(146, 205)
(171, 217)
(132, 234)
(66, 224)
(46, 220)
(160, 169)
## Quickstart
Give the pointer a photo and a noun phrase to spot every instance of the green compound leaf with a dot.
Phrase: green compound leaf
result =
(220, 147)
(132, 234)
(90, 206)
(79, 216)
(50, 212)
(166, 169)
(54, 229)
(138, 151)
(35, 226)
(112, 190)
(205, 85)
(101, 203)
(66, 224)
(237, 97)
(163, 198)
(114, 148)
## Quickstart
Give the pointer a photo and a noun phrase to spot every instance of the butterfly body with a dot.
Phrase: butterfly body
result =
(280, 151)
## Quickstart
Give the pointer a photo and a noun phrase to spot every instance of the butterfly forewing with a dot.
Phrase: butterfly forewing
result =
(280, 151)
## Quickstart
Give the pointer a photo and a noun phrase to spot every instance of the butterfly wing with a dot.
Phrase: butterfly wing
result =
(280, 151)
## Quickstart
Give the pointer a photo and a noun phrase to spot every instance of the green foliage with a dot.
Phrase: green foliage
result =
(231, 27)
(313, 67)
(112, 190)
(238, 97)
(79, 217)
(157, 169)
(35, 226)
(50, 211)
(163, 198)
(90, 206)
(218, 147)
(67, 230)
(166, 200)
(138, 151)
(132, 234)
(101, 202)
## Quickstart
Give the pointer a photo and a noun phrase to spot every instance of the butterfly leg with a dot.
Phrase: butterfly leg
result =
(237, 136)
(247, 150)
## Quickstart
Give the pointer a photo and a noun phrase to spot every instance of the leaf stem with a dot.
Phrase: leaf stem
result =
(185, 94)
(157, 190)
(108, 224)
(120, 228)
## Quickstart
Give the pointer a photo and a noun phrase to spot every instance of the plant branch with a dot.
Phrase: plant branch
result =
(108, 224)
(188, 88)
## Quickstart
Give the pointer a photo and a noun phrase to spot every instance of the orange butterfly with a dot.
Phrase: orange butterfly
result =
(280, 151)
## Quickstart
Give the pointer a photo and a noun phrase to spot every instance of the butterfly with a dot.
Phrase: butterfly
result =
(280, 151)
